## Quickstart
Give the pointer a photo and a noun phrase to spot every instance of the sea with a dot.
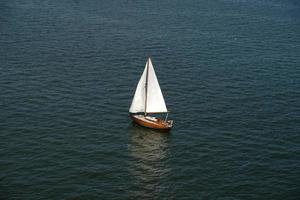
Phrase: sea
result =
(229, 71)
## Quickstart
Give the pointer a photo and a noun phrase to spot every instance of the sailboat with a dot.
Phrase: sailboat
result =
(148, 105)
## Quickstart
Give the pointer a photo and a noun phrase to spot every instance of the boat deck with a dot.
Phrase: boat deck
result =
(152, 122)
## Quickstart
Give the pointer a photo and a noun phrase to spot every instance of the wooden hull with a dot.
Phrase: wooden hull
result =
(152, 122)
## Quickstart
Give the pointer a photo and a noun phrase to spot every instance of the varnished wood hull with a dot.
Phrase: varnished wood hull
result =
(153, 124)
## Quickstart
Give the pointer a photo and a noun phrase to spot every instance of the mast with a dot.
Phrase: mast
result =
(146, 87)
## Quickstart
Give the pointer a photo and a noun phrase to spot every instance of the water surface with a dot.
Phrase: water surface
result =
(229, 71)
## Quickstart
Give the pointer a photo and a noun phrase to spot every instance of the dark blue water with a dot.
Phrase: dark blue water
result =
(229, 71)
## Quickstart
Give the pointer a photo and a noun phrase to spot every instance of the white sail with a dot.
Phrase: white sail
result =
(155, 100)
(138, 102)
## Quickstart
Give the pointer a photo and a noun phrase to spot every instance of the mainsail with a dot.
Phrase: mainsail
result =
(138, 102)
(154, 101)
